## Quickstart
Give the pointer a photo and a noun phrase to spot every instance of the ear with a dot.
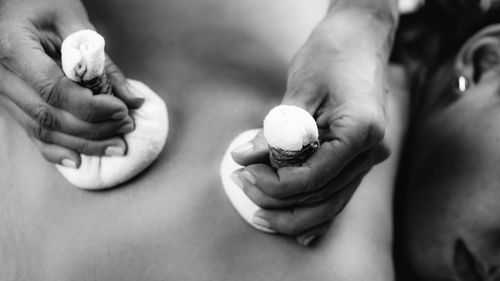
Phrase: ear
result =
(480, 54)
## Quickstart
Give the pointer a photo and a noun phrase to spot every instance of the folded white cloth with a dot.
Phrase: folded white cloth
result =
(83, 59)
(82, 55)
(292, 135)
(243, 205)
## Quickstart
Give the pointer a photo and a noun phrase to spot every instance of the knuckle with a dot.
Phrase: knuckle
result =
(372, 121)
(44, 117)
(313, 183)
(328, 148)
(12, 35)
(41, 133)
(51, 91)
(376, 131)
(310, 185)
(88, 112)
(382, 152)
(89, 115)
(6, 48)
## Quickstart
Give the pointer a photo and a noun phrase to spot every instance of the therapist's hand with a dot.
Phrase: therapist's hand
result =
(338, 77)
(61, 117)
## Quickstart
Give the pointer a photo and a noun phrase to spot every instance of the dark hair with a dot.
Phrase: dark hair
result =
(439, 28)
(431, 37)
(427, 42)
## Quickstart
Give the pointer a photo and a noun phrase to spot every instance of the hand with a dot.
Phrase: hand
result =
(61, 117)
(339, 78)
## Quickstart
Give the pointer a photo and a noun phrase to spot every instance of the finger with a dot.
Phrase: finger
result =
(242, 180)
(79, 101)
(52, 153)
(358, 168)
(295, 221)
(249, 184)
(123, 90)
(58, 154)
(288, 182)
(93, 131)
(349, 129)
(110, 147)
(255, 151)
(54, 119)
(27, 58)
(311, 235)
(349, 140)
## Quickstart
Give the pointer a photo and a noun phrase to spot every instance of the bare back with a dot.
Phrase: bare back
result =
(220, 65)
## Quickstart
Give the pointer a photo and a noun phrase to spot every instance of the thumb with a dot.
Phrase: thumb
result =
(254, 151)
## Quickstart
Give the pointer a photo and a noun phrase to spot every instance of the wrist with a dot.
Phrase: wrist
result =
(358, 30)
(383, 11)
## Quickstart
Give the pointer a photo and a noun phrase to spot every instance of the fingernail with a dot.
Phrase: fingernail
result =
(126, 128)
(261, 222)
(249, 177)
(114, 151)
(68, 163)
(307, 240)
(245, 148)
(237, 180)
(133, 91)
(119, 115)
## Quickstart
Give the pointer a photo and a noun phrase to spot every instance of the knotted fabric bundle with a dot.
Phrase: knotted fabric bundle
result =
(292, 136)
(83, 61)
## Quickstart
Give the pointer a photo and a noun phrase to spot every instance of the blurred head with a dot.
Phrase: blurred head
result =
(450, 205)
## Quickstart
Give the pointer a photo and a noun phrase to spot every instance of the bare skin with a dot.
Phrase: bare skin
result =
(219, 75)
(62, 118)
(449, 227)
(338, 76)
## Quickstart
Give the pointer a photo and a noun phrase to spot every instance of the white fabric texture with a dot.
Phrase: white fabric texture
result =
(243, 205)
(85, 50)
(290, 128)
(82, 55)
